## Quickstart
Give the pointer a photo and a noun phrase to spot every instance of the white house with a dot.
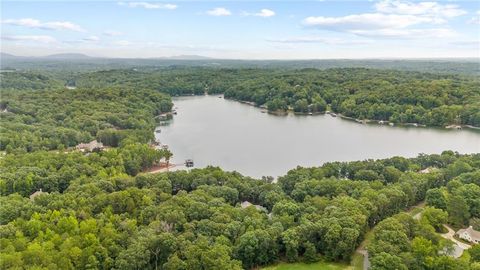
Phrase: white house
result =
(469, 234)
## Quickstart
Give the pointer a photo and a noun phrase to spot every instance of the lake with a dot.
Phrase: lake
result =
(235, 136)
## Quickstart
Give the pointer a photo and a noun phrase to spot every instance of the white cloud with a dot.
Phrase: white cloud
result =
(262, 13)
(112, 33)
(40, 39)
(430, 9)
(91, 39)
(466, 43)
(366, 21)
(265, 13)
(394, 18)
(321, 40)
(476, 19)
(148, 5)
(220, 11)
(407, 33)
(122, 43)
(33, 23)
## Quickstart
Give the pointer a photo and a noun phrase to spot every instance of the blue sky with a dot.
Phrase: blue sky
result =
(243, 29)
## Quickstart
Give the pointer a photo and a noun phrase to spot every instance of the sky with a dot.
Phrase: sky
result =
(243, 29)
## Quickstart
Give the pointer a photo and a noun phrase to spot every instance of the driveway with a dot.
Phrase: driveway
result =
(459, 247)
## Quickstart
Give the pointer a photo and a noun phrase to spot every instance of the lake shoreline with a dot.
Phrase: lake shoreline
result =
(360, 121)
(225, 133)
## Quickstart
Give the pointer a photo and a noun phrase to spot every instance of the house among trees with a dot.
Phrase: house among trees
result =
(36, 194)
(469, 234)
(90, 147)
(246, 204)
(427, 170)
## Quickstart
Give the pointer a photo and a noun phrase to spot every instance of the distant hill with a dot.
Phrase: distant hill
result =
(187, 57)
(7, 55)
(52, 56)
(68, 56)
(80, 56)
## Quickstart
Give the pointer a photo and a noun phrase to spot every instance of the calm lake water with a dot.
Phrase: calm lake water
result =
(236, 136)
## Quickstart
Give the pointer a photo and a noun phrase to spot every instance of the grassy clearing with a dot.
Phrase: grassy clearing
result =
(310, 266)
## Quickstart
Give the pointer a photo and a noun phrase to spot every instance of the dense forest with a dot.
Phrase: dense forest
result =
(357, 93)
(95, 216)
(46, 120)
(399, 97)
(65, 209)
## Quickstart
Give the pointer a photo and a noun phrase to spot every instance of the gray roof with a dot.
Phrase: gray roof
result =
(473, 233)
(246, 204)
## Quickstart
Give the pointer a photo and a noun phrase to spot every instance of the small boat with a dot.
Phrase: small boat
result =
(220, 97)
(333, 115)
(310, 113)
(158, 130)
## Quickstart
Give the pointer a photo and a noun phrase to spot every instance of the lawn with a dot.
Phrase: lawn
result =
(311, 266)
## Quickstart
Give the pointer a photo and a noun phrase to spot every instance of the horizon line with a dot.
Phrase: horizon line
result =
(206, 58)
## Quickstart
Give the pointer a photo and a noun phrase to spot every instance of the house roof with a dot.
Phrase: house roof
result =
(37, 193)
(473, 233)
(246, 204)
(428, 170)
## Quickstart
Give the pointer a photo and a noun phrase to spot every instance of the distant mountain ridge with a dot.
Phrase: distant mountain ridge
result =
(7, 55)
(67, 55)
(80, 56)
(187, 57)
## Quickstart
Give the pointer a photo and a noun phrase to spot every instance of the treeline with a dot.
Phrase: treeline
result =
(65, 65)
(387, 95)
(21, 80)
(57, 119)
(103, 218)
